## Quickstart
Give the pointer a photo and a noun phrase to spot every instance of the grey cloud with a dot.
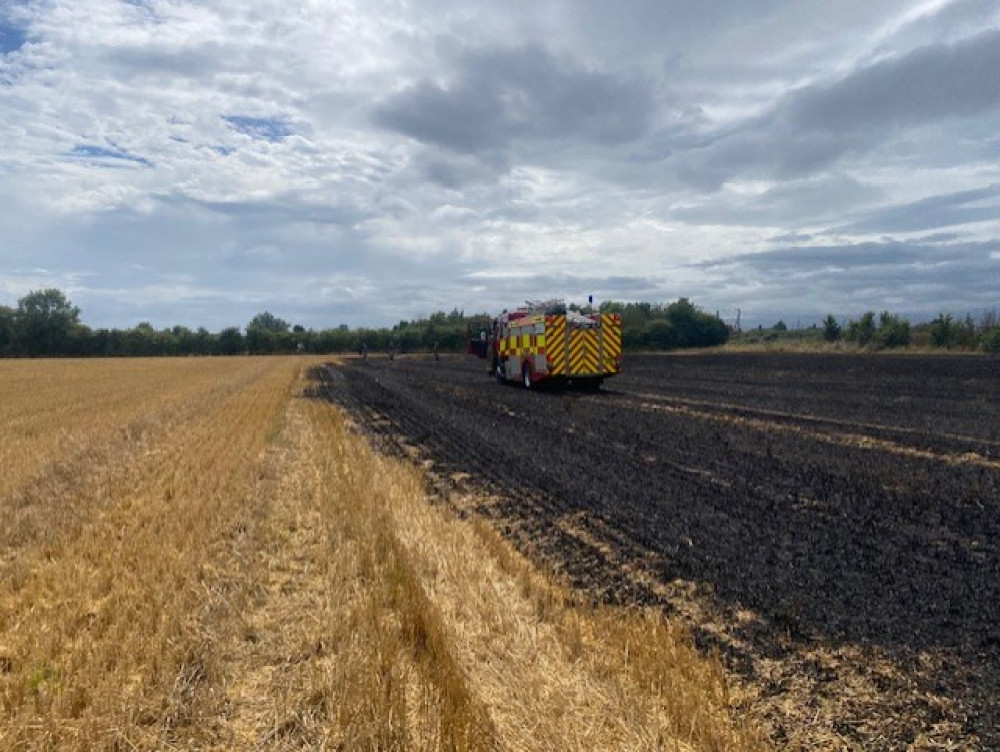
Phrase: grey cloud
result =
(820, 258)
(511, 290)
(455, 171)
(931, 83)
(938, 237)
(800, 202)
(946, 210)
(791, 237)
(958, 17)
(915, 280)
(519, 93)
(280, 211)
(922, 278)
(190, 62)
(814, 126)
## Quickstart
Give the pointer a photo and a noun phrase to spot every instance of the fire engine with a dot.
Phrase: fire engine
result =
(543, 341)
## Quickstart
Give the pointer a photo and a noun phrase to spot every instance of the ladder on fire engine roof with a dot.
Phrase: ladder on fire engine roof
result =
(544, 306)
(557, 305)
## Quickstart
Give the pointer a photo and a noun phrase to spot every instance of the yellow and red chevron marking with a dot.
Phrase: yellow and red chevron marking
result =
(555, 344)
(583, 352)
(611, 326)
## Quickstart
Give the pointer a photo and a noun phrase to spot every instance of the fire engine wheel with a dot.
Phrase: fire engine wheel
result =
(526, 375)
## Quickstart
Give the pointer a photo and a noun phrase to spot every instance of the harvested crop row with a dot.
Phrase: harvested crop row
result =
(57, 414)
(108, 630)
(247, 573)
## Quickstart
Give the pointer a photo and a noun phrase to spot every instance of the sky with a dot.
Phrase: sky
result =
(363, 162)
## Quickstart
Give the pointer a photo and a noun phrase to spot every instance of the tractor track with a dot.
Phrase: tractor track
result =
(847, 529)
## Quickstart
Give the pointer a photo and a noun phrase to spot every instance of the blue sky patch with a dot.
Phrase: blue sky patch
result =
(261, 129)
(145, 8)
(89, 151)
(11, 38)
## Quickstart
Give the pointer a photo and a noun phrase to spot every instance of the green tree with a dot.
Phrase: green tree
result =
(266, 333)
(268, 322)
(7, 329)
(45, 322)
(141, 340)
(966, 332)
(863, 330)
(203, 341)
(659, 334)
(990, 340)
(781, 326)
(942, 331)
(893, 331)
(184, 340)
(831, 329)
(694, 327)
(230, 341)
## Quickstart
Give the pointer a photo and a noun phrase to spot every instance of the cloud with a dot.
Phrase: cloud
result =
(949, 210)
(931, 83)
(498, 96)
(368, 160)
(914, 278)
(812, 127)
(808, 202)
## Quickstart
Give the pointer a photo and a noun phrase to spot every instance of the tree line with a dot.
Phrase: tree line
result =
(46, 323)
(887, 331)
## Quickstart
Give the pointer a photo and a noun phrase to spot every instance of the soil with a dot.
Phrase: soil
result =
(828, 524)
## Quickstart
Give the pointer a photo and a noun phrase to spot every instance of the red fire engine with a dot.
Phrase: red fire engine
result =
(544, 341)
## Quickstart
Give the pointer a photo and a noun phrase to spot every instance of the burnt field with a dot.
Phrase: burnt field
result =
(829, 523)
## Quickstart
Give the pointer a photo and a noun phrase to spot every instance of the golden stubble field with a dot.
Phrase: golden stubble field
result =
(194, 554)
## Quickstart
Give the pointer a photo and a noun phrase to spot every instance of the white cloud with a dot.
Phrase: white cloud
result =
(362, 161)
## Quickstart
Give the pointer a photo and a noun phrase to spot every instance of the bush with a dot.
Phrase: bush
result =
(990, 340)
(831, 329)
(863, 330)
(659, 334)
(893, 331)
(941, 330)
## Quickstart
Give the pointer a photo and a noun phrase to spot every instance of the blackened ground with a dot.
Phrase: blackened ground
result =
(820, 504)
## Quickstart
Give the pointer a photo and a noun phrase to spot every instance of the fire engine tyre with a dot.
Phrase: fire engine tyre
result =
(526, 376)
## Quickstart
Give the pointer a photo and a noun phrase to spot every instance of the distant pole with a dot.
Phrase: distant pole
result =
(738, 313)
